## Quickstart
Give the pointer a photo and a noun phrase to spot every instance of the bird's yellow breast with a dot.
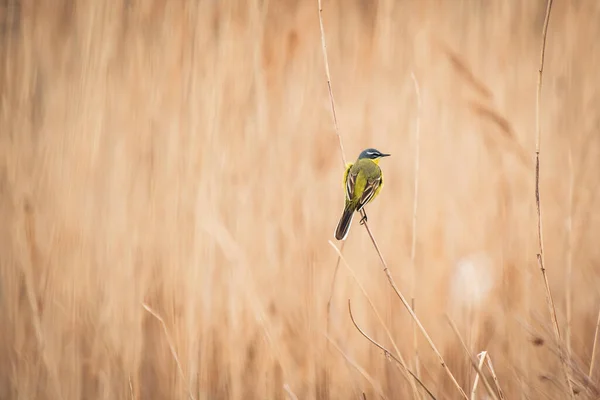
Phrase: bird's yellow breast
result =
(367, 167)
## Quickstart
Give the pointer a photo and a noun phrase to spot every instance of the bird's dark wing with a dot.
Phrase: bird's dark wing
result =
(350, 182)
(369, 192)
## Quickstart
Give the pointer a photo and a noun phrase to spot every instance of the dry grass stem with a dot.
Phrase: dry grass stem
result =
(131, 393)
(340, 142)
(540, 255)
(387, 352)
(331, 98)
(413, 315)
(540, 76)
(494, 377)
(332, 289)
(481, 357)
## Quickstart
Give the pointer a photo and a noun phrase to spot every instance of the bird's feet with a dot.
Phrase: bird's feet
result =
(363, 220)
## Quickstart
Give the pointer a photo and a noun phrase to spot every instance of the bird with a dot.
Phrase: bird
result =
(363, 181)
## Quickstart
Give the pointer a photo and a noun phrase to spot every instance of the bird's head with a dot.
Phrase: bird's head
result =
(372, 154)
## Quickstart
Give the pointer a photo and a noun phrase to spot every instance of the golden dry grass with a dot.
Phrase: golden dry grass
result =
(181, 155)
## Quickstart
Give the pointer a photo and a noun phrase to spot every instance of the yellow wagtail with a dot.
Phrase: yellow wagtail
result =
(363, 181)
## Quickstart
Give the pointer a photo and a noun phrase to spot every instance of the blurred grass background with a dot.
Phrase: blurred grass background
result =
(181, 154)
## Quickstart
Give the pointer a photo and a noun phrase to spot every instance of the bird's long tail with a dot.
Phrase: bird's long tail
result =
(345, 221)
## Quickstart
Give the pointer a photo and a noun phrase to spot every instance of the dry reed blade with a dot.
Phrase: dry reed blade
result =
(387, 331)
(463, 70)
(473, 362)
(32, 298)
(569, 269)
(413, 246)
(350, 364)
(171, 345)
(385, 351)
(289, 392)
(540, 255)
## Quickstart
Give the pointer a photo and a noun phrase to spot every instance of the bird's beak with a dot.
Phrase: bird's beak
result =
(385, 155)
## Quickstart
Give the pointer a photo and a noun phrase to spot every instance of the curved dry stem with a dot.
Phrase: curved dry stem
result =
(358, 368)
(387, 352)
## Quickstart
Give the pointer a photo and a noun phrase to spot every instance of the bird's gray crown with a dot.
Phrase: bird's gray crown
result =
(372, 154)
